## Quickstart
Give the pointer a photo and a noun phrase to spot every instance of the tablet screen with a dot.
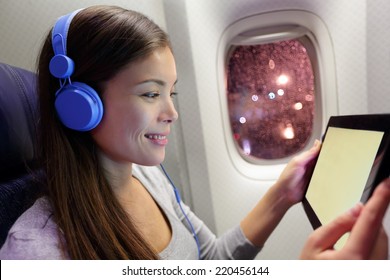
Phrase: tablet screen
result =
(342, 172)
(354, 159)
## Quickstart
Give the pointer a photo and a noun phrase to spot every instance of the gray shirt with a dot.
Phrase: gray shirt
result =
(35, 234)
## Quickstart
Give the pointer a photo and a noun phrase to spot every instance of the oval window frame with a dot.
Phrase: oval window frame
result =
(271, 27)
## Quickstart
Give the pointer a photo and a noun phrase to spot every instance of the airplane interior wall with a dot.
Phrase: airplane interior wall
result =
(198, 157)
(378, 56)
(26, 23)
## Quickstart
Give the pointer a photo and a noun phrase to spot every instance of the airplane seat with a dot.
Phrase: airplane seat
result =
(19, 182)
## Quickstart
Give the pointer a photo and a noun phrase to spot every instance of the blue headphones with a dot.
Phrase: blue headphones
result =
(78, 106)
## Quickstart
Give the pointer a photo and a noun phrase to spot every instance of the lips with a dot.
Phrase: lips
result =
(158, 139)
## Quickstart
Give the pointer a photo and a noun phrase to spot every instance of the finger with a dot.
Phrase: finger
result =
(365, 232)
(380, 250)
(309, 155)
(326, 236)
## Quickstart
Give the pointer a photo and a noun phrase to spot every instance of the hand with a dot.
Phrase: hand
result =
(261, 221)
(367, 238)
(292, 182)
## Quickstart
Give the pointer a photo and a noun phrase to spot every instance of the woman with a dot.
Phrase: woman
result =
(104, 198)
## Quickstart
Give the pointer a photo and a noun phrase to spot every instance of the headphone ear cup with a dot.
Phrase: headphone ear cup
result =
(79, 107)
(61, 66)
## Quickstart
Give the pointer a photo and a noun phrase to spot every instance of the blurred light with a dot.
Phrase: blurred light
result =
(288, 132)
(282, 80)
(309, 97)
(246, 146)
(242, 120)
(271, 64)
(271, 95)
(280, 92)
(255, 97)
(298, 106)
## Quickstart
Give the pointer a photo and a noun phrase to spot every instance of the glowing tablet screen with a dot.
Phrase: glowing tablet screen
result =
(342, 171)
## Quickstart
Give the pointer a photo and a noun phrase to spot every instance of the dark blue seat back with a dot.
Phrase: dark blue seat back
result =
(19, 186)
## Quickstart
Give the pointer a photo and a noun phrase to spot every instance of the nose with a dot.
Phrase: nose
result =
(169, 113)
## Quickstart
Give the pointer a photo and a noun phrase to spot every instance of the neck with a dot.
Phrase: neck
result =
(118, 174)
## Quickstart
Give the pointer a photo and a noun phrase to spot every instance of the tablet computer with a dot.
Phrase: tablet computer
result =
(354, 159)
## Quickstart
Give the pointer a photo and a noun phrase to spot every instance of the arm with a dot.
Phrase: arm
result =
(258, 225)
(367, 239)
(230, 245)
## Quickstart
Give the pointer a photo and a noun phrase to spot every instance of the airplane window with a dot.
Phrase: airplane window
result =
(271, 98)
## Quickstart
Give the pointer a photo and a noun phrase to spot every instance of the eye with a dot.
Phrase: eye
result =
(151, 94)
(173, 94)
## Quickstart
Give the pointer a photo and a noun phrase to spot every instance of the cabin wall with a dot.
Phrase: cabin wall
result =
(24, 24)
(378, 56)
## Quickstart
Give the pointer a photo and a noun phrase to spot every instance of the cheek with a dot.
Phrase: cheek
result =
(122, 122)
(133, 121)
(118, 135)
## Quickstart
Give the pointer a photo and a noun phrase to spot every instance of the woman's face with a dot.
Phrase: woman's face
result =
(138, 111)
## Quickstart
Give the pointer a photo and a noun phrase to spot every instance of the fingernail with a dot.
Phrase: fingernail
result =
(355, 211)
(316, 144)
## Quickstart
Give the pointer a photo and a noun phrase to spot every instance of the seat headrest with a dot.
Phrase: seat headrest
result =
(18, 120)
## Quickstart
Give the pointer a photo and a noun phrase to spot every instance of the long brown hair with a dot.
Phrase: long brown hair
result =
(102, 40)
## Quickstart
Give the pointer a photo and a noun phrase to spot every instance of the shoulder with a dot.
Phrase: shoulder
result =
(151, 176)
(150, 173)
(34, 235)
(154, 180)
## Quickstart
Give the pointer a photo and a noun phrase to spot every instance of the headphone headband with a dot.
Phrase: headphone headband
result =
(60, 32)
(61, 65)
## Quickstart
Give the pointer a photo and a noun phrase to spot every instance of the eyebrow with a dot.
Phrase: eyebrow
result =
(157, 81)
